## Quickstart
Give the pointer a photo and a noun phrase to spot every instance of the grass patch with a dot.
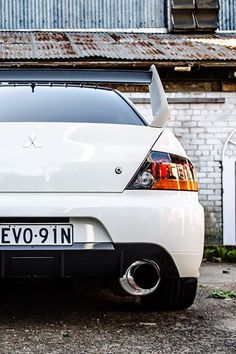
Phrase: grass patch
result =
(222, 294)
(220, 253)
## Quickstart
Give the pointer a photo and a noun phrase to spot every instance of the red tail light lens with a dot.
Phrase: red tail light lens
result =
(165, 171)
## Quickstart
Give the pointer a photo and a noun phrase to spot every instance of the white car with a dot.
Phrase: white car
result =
(89, 189)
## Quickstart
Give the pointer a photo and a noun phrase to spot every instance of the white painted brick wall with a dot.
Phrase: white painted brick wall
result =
(203, 129)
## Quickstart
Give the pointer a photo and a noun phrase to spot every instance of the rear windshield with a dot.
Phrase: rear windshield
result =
(65, 104)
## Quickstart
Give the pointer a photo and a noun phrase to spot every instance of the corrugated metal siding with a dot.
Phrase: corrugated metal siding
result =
(87, 14)
(227, 15)
(78, 14)
(116, 46)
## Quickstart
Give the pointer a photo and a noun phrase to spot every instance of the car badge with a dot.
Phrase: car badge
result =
(32, 141)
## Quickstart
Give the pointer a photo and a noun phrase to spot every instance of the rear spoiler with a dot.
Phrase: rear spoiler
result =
(160, 108)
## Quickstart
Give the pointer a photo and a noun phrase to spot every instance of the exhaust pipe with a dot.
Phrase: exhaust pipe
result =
(141, 278)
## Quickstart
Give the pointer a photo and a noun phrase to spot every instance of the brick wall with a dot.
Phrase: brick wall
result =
(202, 129)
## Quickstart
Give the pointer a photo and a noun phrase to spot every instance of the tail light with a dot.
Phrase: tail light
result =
(165, 171)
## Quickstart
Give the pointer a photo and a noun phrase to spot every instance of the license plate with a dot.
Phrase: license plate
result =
(36, 235)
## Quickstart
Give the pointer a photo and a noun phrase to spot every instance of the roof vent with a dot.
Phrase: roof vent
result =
(193, 15)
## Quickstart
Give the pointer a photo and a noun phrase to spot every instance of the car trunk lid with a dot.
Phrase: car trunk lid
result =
(71, 157)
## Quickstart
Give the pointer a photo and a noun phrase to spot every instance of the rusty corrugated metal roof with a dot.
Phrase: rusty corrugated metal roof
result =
(116, 46)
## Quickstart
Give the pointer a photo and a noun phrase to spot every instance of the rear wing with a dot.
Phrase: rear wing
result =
(160, 108)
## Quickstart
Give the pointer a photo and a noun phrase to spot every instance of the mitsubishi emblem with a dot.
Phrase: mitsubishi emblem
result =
(32, 141)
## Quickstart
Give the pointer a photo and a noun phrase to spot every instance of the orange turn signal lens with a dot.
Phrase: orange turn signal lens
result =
(165, 171)
(176, 185)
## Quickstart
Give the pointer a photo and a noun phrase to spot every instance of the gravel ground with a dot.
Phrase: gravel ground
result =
(47, 317)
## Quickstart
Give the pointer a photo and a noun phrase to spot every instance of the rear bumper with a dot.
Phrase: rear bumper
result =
(169, 223)
(83, 263)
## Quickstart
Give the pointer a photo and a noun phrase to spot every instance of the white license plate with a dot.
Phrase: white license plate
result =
(36, 235)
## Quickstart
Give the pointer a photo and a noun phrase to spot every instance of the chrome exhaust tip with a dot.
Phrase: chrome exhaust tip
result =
(141, 278)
